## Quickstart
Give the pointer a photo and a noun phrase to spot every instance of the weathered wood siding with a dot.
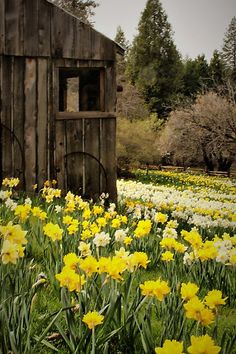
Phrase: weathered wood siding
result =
(36, 141)
(39, 28)
(24, 119)
(85, 151)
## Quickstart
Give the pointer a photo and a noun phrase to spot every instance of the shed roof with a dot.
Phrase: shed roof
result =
(40, 28)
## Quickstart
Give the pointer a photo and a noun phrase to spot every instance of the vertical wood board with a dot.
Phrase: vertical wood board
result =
(92, 168)
(63, 39)
(14, 36)
(110, 89)
(44, 28)
(74, 158)
(60, 147)
(108, 155)
(83, 44)
(42, 121)
(30, 122)
(18, 117)
(6, 116)
(31, 27)
(2, 27)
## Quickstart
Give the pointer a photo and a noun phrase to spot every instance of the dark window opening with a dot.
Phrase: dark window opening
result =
(80, 90)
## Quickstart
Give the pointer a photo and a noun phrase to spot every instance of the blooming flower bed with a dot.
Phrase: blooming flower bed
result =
(155, 272)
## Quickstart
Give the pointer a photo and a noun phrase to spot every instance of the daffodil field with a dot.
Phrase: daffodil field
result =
(155, 273)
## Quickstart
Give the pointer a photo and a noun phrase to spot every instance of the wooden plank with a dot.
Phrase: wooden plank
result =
(74, 157)
(44, 28)
(95, 38)
(107, 49)
(53, 105)
(108, 157)
(2, 27)
(83, 44)
(42, 121)
(14, 15)
(30, 122)
(31, 27)
(63, 36)
(18, 117)
(110, 88)
(92, 168)
(60, 148)
(84, 114)
(102, 91)
(6, 116)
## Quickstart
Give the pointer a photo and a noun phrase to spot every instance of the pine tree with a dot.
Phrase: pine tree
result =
(120, 38)
(229, 50)
(83, 9)
(196, 77)
(154, 63)
(216, 70)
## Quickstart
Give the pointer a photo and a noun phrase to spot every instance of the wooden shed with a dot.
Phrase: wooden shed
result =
(57, 99)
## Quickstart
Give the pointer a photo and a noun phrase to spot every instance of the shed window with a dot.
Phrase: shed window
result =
(81, 89)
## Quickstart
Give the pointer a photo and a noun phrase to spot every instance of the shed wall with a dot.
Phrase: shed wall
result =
(38, 28)
(39, 143)
(24, 118)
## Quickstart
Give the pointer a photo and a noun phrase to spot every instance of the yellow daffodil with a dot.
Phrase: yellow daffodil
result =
(157, 288)
(170, 347)
(93, 319)
(188, 291)
(203, 345)
(167, 256)
(214, 299)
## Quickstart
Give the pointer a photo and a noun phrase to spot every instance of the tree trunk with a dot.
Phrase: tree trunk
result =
(208, 160)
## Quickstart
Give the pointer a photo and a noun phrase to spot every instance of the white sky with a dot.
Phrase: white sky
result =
(199, 25)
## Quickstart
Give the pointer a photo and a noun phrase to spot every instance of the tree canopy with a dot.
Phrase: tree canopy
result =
(83, 9)
(154, 64)
(204, 133)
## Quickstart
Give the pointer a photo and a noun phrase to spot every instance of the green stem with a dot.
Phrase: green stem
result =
(93, 341)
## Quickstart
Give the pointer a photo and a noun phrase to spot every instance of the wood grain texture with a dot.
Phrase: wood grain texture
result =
(74, 159)
(6, 116)
(44, 28)
(108, 157)
(92, 168)
(31, 28)
(30, 122)
(42, 122)
(18, 117)
(14, 36)
(2, 27)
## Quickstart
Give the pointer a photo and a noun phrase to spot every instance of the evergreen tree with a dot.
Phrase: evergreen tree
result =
(154, 63)
(121, 60)
(229, 50)
(196, 76)
(216, 70)
(83, 9)
(120, 38)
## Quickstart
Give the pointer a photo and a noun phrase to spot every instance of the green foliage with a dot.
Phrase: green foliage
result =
(37, 315)
(229, 50)
(120, 38)
(136, 141)
(83, 9)
(154, 64)
(196, 76)
(216, 68)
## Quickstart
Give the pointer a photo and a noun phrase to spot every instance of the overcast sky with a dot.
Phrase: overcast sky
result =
(199, 25)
